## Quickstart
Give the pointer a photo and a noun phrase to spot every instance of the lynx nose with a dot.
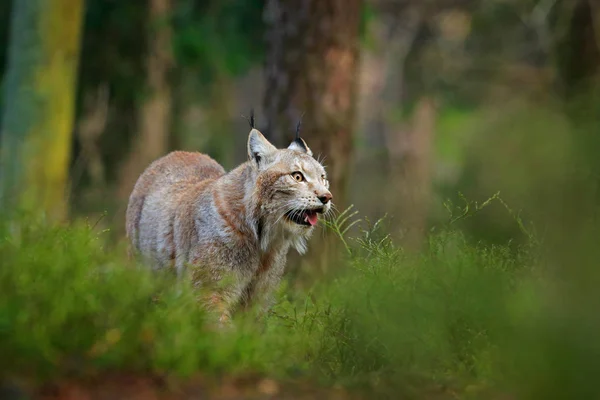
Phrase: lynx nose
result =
(325, 197)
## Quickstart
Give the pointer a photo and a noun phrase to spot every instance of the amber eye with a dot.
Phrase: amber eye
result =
(298, 177)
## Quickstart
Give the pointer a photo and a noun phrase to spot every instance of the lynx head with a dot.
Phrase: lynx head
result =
(291, 185)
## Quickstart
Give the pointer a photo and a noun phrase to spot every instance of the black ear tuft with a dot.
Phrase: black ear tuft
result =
(251, 118)
(298, 127)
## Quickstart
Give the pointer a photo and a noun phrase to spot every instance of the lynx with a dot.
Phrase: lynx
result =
(187, 213)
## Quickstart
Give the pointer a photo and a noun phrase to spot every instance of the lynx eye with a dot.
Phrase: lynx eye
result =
(298, 177)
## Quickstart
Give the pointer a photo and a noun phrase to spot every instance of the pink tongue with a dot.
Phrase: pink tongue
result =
(312, 217)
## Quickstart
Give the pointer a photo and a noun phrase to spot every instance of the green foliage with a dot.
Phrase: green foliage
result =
(474, 319)
(218, 37)
(397, 320)
(69, 305)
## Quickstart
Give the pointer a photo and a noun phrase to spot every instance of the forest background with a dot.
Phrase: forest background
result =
(476, 117)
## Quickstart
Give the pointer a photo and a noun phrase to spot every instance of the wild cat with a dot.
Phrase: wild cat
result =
(185, 212)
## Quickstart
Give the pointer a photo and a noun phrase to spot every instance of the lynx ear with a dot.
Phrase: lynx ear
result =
(259, 147)
(300, 145)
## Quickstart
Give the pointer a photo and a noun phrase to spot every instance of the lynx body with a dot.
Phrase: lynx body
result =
(185, 211)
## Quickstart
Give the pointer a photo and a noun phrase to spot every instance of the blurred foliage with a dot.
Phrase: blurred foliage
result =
(458, 319)
(98, 322)
(207, 36)
(210, 39)
(469, 54)
(216, 37)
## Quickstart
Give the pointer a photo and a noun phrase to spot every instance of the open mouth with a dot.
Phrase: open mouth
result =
(304, 217)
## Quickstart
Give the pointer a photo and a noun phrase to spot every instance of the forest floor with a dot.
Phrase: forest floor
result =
(134, 387)
(251, 387)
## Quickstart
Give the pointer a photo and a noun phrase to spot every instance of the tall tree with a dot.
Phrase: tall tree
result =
(311, 69)
(154, 119)
(578, 46)
(37, 120)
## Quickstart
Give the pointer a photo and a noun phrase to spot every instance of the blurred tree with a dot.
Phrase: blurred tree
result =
(39, 101)
(90, 127)
(154, 115)
(5, 7)
(578, 45)
(577, 38)
(111, 75)
(311, 69)
(212, 43)
(411, 41)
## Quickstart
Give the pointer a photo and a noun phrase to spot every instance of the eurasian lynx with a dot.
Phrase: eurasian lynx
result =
(186, 211)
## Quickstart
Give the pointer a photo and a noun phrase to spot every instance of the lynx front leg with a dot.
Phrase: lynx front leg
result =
(223, 306)
(259, 293)
(222, 295)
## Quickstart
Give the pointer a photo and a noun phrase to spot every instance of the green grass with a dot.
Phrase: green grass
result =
(67, 304)
(460, 317)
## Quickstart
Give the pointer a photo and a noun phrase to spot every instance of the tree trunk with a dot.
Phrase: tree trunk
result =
(411, 173)
(90, 128)
(154, 119)
(409, 143)
(311, 69)
(578, 52)
(39, 100)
